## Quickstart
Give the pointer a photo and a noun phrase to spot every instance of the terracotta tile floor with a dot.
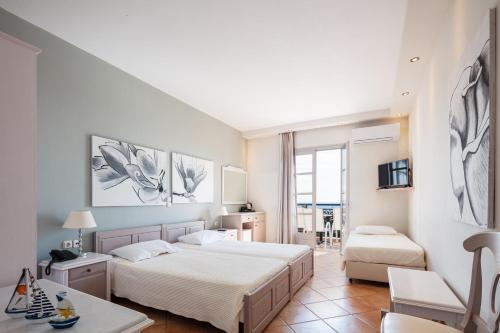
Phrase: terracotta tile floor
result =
(327, 303)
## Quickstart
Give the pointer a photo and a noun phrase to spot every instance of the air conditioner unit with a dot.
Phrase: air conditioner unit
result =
(373, 134)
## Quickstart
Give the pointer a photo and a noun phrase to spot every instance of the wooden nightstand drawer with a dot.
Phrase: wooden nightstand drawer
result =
(231, 234)
(247, 218)
(94, 284)
(84, 271)
(88, 274)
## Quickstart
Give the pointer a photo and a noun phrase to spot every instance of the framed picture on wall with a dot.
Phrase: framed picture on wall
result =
(192, 179)
(124, 174)
(472, 117)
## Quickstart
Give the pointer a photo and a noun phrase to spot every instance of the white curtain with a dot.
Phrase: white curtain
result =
(287, 208)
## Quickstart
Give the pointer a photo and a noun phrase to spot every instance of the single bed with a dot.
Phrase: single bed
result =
(299, 257)
(367, 257)
(214, 287)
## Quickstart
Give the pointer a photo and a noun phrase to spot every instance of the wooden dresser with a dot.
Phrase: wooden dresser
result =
(250, 226)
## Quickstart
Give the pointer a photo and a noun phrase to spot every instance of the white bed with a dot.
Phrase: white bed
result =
(287, 252)
(299, 257)
(367, 257)
(205, 286)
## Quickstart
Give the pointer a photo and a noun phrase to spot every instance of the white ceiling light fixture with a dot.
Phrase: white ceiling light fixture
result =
(406, 93)
(414, 59)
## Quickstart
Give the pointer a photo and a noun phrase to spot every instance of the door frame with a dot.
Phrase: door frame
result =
(313, 151)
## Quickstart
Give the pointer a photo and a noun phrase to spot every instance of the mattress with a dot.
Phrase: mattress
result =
(384, 249)
(205, 286)
(287, 252)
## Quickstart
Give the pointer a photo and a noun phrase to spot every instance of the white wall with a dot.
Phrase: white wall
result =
(367, 206)
(430, 224)
(17, 168)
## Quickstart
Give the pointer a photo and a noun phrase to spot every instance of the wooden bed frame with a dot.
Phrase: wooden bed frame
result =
(369, 271)
(301, 269)
(260, 306)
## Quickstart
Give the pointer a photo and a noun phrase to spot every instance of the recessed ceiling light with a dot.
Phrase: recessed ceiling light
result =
(406, 93)
(414, 59)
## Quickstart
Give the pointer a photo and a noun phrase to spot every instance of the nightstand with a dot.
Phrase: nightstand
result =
(88, 274)
(229, 233)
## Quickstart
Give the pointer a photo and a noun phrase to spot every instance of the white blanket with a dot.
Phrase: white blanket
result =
(287, 252)
(205, 286)
(383, 249)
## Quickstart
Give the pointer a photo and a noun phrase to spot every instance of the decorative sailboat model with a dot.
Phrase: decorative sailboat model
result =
(19, 302)
(66, 315)
(40, 309)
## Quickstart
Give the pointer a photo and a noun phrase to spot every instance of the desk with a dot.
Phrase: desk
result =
(96, 315)
(424, 294)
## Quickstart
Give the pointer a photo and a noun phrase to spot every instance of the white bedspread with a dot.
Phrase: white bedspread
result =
(288, 252)
(384, 249)
(204, 286)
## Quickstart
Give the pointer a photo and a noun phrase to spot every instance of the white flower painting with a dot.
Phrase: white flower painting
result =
(471, 124)
(192, 179)
(124, 174)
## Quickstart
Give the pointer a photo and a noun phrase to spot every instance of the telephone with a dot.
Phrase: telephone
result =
(58, 256)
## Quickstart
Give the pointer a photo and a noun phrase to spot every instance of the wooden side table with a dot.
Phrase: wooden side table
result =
(88, 274)
(424, 294)
(229, 233)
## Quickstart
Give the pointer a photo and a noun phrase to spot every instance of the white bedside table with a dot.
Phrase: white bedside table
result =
(229, 233)
(88, 274)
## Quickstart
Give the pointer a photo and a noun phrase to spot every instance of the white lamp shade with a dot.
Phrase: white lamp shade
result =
(221, 211)
(80, 220)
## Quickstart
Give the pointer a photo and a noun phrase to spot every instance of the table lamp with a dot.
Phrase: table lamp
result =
(221, 211)
(80, 220)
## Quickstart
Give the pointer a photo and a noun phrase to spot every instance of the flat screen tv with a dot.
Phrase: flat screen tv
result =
(394, 174)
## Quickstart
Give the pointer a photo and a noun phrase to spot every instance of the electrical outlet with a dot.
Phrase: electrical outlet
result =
(67, 244)
(76, 243)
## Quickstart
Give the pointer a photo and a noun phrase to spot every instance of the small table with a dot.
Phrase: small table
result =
(229, 233)
(424, 294)
(87, 274)
(96, 315)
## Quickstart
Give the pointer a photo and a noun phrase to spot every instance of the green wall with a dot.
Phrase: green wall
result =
(80, 95)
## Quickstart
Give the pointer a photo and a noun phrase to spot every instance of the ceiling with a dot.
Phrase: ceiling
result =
(251, 64)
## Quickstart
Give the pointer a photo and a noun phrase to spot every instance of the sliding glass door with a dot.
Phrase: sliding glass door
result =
(320, 191)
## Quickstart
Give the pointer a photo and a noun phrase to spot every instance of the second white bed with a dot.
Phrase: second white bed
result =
(287, 252)
(204, 286)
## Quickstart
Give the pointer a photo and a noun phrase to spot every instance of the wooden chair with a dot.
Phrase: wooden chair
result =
(472, 322)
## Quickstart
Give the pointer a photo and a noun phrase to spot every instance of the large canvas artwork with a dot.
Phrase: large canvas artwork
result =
(124, 174)
(192, 179)
(472, 129)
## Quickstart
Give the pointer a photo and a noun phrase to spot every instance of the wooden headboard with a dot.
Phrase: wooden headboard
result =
(106, 241)
(170, 232)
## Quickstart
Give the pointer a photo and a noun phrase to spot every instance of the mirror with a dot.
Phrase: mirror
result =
(234, 186)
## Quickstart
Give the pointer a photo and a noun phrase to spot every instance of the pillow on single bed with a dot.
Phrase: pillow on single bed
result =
(202, 237)
(157, 247)
(375, 230)
(131, 252)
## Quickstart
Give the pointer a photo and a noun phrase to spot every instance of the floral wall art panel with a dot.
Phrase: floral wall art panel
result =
(472, 129)
(124, 174)
(192, 179)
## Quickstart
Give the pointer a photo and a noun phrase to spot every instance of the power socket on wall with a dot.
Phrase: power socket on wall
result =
(67, 244)
(76, 243)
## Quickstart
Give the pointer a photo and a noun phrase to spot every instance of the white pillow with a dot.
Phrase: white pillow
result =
(157, 247)
(375, 230)
(131, 252)
(202, 237)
